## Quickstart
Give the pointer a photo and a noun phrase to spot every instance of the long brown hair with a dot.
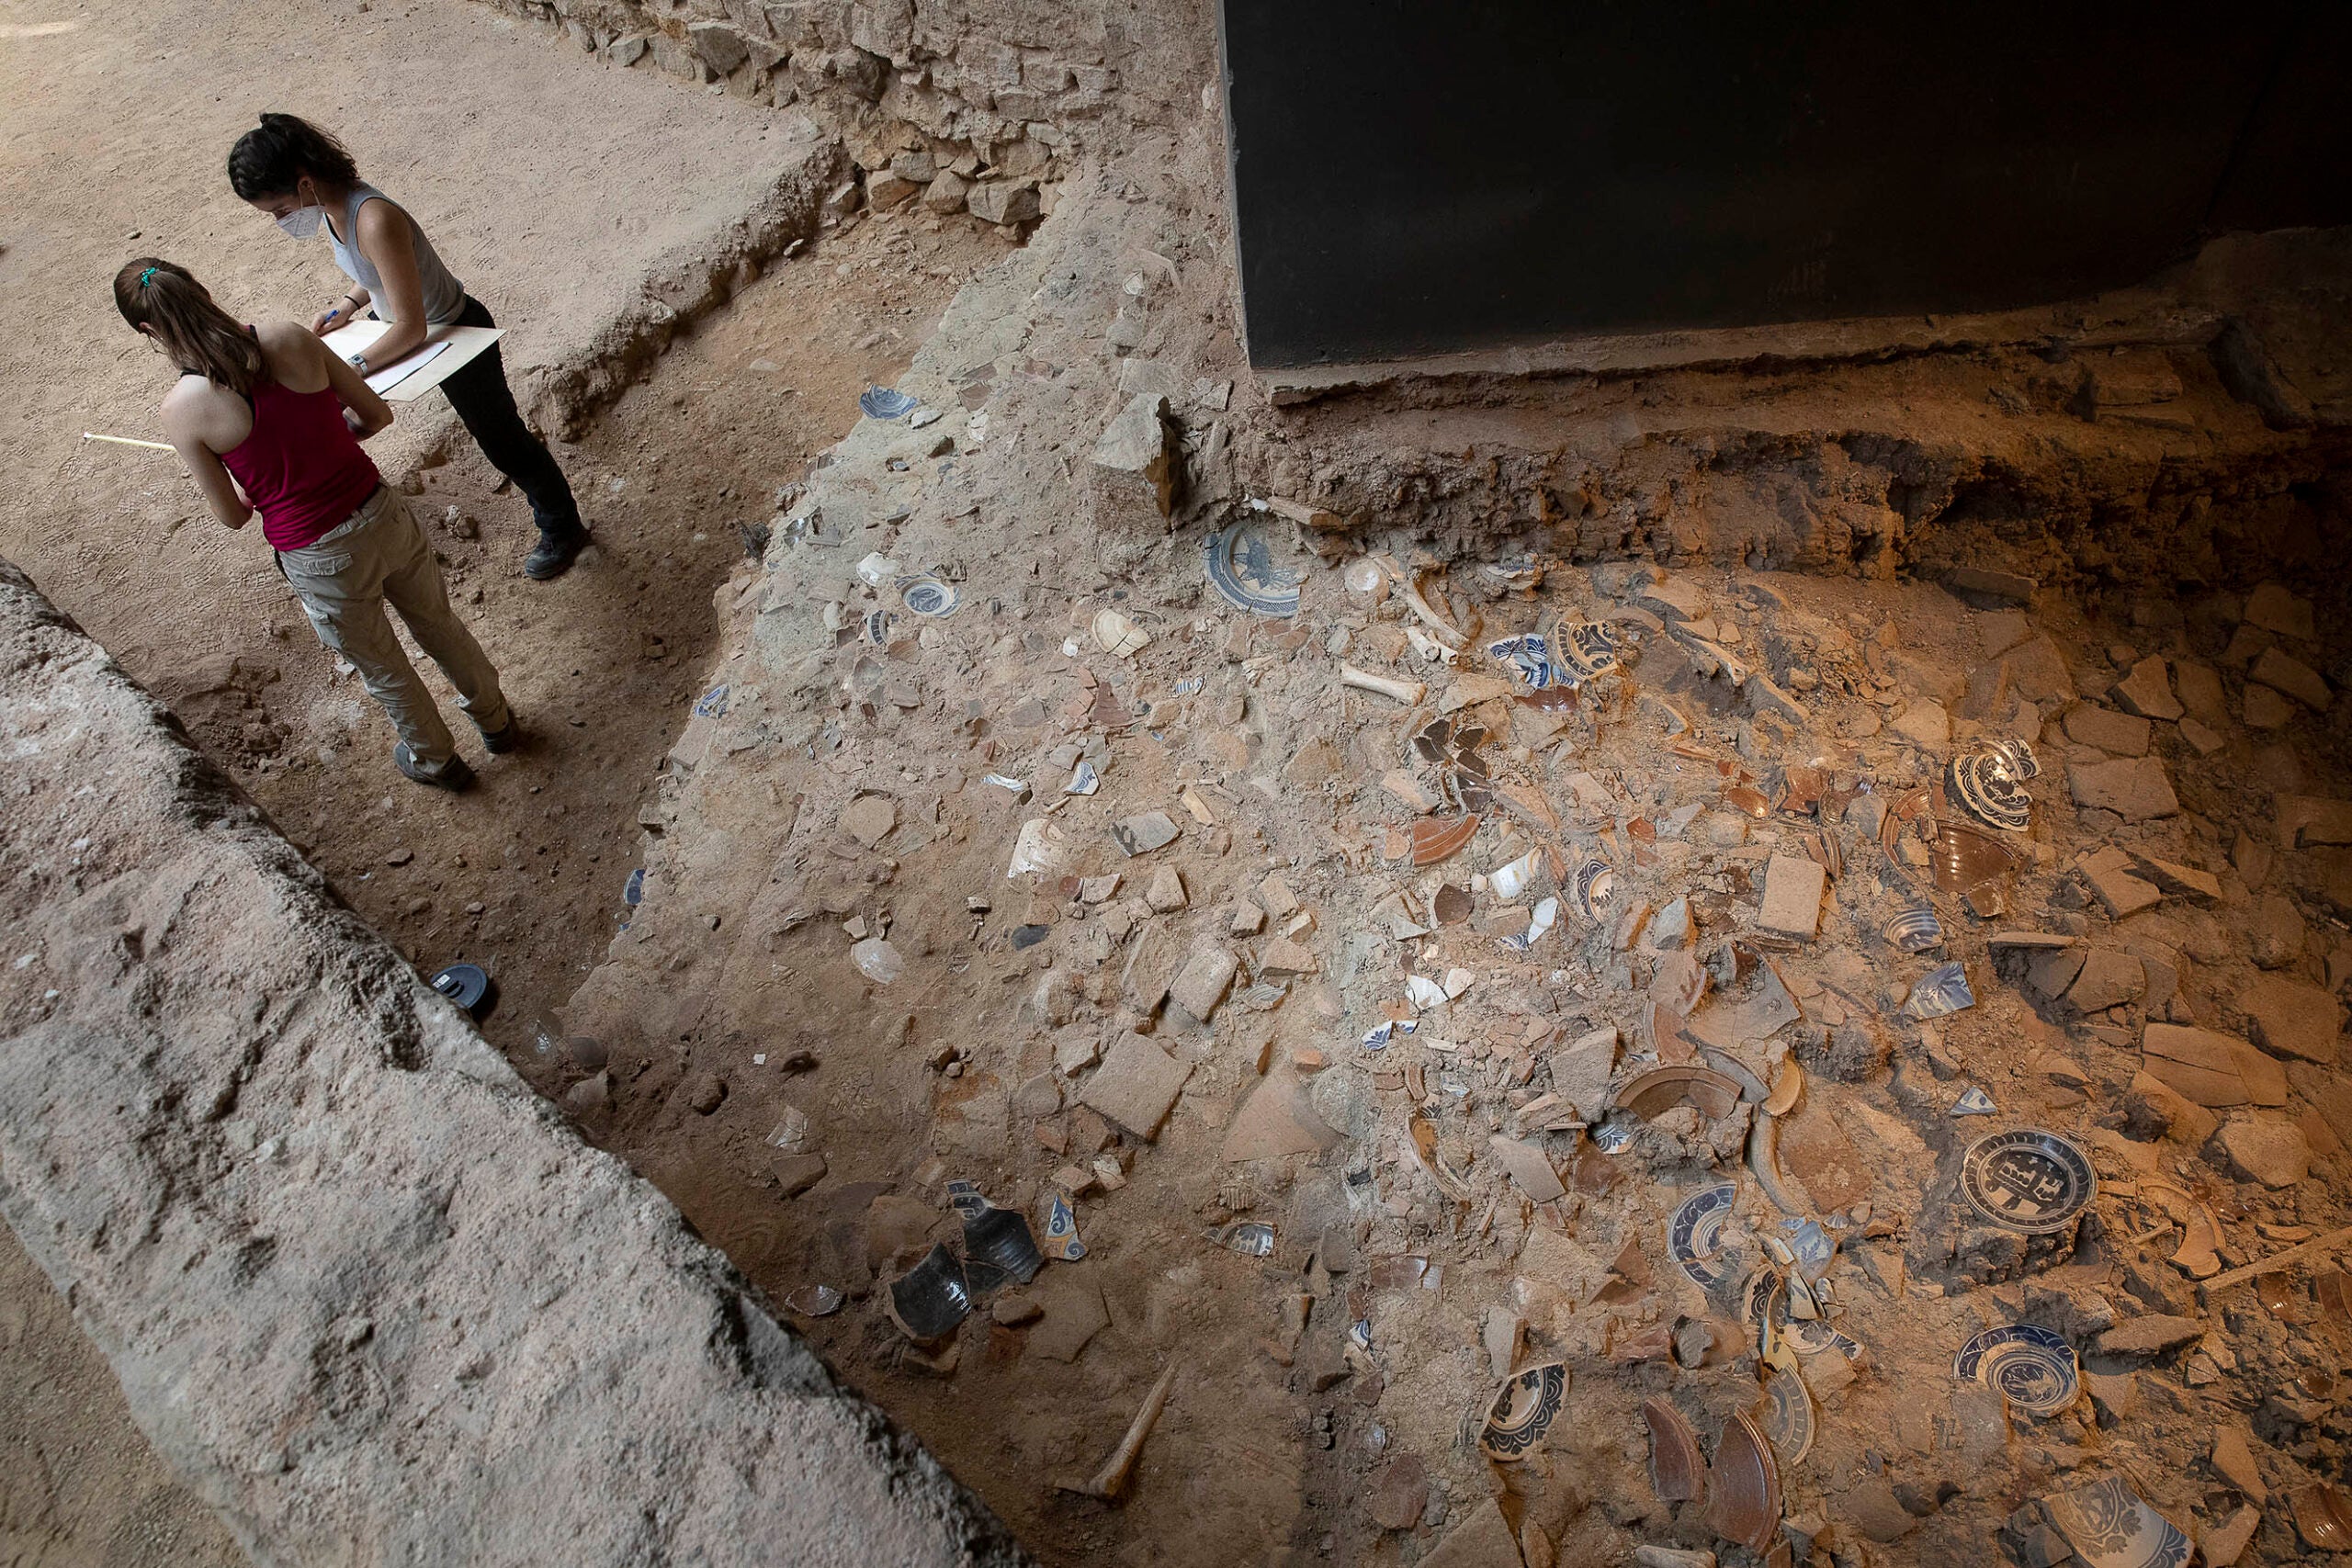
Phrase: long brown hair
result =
(202, 338)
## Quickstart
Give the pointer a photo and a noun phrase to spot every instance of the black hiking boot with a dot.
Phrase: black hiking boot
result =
(553, 556)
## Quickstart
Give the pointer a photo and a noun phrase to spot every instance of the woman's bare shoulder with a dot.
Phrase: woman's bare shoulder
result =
(285, 337)
(381, 218)
(189, 395)
(296, 359)
(195, 412)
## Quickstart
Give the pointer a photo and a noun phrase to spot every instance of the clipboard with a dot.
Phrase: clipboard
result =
(446, 350)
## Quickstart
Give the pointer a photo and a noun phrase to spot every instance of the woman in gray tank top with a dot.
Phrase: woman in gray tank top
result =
(301, 176)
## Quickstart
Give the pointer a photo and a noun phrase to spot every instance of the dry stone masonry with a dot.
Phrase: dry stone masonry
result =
(975, 105)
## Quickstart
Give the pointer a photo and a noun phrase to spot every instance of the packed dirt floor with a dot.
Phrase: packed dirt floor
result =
(526, 872)
(1033, 838)
(81, 1486)
(1686, 952)
(1495, 1039)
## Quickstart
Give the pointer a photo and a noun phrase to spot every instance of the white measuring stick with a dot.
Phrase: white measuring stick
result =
(128, 441)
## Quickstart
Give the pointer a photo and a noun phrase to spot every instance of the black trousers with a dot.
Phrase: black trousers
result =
(486, 405)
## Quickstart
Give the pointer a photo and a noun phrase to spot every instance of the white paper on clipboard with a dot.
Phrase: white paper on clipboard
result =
(382, 381)
(446, 351)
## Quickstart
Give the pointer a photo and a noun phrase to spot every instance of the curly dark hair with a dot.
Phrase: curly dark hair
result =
(269, 159)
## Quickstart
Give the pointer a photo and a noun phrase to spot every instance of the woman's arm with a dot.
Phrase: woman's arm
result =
(344, 312)
(372, 413)
(386, 239)
(184, 423)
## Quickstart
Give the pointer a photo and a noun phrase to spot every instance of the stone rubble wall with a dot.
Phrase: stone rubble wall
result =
(971, 100)
(362, 1288)
(2085, 442)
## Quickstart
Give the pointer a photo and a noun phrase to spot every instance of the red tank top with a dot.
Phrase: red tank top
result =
(302, 467)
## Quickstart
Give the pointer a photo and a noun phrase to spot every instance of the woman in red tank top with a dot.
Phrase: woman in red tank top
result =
(268, 421)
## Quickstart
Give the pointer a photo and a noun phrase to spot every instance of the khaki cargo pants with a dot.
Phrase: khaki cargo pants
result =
(346, 579)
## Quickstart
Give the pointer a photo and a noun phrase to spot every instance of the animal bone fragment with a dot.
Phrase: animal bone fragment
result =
(1407, 691)
(1111, 1478)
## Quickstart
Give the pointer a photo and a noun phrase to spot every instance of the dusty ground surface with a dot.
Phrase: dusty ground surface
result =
(362, 1287)
(83, 1487)
(903, 1004)
(1489, 1195)
(523, 875)
(1455, 1266)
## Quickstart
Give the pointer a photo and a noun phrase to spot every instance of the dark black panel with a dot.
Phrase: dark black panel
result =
(1412, 177)
(2293, 168)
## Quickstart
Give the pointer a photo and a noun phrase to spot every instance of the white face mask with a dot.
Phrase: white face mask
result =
(303, 221)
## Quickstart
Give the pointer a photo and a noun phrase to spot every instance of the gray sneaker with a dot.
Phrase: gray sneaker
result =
(452, 776)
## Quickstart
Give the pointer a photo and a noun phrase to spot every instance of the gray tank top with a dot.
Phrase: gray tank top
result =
(445, 296)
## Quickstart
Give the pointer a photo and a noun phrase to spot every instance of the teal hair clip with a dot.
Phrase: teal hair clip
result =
(147, 279)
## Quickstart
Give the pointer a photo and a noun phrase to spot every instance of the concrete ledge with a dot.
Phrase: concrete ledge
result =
(362, 1288)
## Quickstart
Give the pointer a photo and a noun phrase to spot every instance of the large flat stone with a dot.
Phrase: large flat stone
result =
(2265, 707)
(2275, 932)
(2291, 1019)
(2275, 608)
(2266, 1148)
(1926, 724)
(1201, 984)
(1278, 1119)
(1003, 201)
(2172, 876)
(2152, 1335)
(2053, 973)
(2110, 873)
(2196, 1064)
(2217, 1063)
(2135, 788)
(2037, 670)
(2200, 692)
(2183, 1120)
(1794, 887)
(1133, 452)
(1871, 1507)
(1482, 1541)
(1137, 1085)
(1073, 1314)
(2328, 1092)
(2147, 690)
(2119, 734)
(2308, 819)
(2107, 979)
(2223, 1544)
(1529, 1167)
(2009, 587)
(1582, 1068)
(2284, 672)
